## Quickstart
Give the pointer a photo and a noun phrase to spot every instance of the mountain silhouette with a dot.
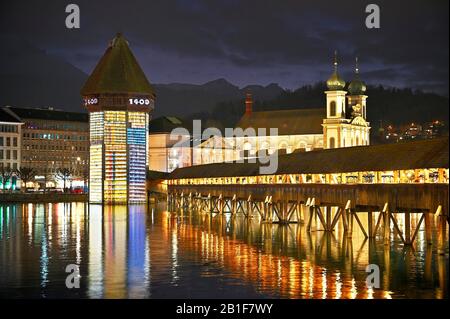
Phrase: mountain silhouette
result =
(29, 77)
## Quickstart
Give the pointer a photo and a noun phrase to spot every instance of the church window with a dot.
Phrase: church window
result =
(333, 108)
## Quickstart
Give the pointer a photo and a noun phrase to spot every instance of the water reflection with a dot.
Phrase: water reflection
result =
(148, 252)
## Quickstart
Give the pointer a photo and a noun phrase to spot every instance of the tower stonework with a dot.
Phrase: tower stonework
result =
(119, 99)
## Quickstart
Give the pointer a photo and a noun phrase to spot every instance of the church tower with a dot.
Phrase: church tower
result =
(119, 100)
(336, 114)
(357, 97)
(357, 110)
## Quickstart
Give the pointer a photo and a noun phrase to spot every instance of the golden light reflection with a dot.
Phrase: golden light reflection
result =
(115, 251)
(269, 270)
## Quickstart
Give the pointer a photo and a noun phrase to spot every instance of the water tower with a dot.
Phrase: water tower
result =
(120, 100)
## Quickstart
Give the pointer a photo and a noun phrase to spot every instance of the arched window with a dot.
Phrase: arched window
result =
(332, 142)
(283, 148)
(283, 145)
(357, 141)
(333, 108)
(302, 145)
(247, 147)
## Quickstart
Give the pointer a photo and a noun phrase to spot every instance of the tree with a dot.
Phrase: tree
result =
(26, 174)
(6, 174)
(64, 174)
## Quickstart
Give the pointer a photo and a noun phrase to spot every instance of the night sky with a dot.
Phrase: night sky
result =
(248, 42)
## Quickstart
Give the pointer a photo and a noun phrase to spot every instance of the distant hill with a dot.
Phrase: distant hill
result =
(183, 99)
(29, 77)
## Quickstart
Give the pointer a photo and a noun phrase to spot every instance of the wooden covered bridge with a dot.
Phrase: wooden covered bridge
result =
(334, 185)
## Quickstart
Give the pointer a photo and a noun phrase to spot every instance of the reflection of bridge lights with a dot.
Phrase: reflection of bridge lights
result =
(353, 291)
(369, 292)
(324, 284)
(174, 256)
(338, 286)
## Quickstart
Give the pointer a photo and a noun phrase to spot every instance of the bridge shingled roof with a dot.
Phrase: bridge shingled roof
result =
(431, 153)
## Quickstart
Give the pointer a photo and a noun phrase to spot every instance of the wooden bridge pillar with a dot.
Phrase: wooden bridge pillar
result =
(349, 214)
(429, 228)
(300, 213)
(370, 224)
(442, 230)
(210, 203)
(328, 218)
(220, 204)
(407, 228)
(310, 215)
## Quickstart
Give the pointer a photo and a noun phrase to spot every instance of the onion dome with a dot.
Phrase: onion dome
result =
(335, 82)
(356, 86)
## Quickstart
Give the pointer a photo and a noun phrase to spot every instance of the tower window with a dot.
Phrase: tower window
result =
(333, 108)
(332, 142)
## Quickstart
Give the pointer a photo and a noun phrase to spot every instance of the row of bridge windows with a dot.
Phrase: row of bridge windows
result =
(380, 177)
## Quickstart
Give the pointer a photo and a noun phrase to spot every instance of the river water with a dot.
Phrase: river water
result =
(148, 252)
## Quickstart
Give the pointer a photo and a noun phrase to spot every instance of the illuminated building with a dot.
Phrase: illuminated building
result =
(166, 154)
(51, 140)
(119, 99)
(10, 140)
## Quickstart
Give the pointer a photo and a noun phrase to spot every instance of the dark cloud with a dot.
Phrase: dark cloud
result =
(194, 39)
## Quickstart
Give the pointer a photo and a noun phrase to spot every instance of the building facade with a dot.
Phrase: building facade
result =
(167, 152)
(119, 99)
(216, 149)
(10, 149)
(52, 140)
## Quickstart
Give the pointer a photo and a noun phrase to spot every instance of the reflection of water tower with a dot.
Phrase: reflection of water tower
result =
(119, 99)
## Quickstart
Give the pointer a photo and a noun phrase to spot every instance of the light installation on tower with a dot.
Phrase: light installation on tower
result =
(120, 100)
